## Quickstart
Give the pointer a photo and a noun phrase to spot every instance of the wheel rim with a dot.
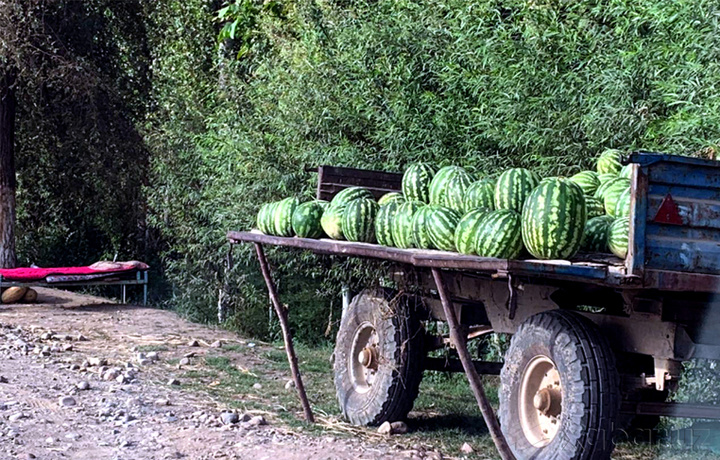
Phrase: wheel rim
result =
(540, 401)
(364, 357)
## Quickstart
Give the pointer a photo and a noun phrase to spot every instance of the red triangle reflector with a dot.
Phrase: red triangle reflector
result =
(668, 212)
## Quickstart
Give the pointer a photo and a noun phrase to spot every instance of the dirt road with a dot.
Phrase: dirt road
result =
(81, 378)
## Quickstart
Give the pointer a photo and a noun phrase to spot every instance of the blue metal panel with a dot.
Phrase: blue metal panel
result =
(690, 188)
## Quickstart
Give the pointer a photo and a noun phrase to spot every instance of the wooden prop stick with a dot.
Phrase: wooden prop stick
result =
(287, 337)
(461, 345)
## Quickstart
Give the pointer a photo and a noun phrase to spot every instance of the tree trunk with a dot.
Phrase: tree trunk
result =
(8, 182)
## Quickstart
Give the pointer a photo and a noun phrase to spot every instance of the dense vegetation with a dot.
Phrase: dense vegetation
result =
(196, 114)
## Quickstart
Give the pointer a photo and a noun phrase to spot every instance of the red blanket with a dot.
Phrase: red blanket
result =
(37, 274)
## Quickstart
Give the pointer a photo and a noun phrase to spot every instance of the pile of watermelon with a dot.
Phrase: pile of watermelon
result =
(506, 216)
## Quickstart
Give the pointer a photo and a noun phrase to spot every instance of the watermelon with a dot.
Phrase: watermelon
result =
(595, 235)
(420, 237)
(359, 220)
(588, 181)
(261, 216)
(480, 194)
(622, 208)
(448, 187)
(306, 220)
(603, 178)
(383, 223)
(553, 219)
(416, 182)
(390, 198)
(600, 192)
(270, 217)
(499, 235)
(331, 221)
(441, 224)
(626, 171)
(402, 231)
(618, 235)
(513, 187)
(467, 229)
(613, 192)
(595, 207)
(351, 193)
(609, 162)
(324, 204)
(283, 216)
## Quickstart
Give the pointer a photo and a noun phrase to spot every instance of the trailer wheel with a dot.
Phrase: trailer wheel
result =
(378, 358)
(560, 393)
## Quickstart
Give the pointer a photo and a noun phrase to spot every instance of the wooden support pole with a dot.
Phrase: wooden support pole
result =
(475, 384)
(287, 337)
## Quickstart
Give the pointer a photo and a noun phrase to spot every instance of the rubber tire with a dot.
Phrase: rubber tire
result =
(590, 382)
(400, 337)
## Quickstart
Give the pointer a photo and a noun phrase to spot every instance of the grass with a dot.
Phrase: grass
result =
(444, 417)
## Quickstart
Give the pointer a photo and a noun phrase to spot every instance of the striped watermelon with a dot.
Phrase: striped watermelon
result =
(600, 192)
(618, 236)
(622, 208)
(595, 207)
(402, 231)
(283, 216)
(306, 220)
(595, 235)
(448, 187)
(383, 223)
(437, 185)
(626, 171)
(416, 182)
(553, 219)
(513, 187)
(613, 192)
(609, 162)
(588, 181)
(359, 220)
(467, 229)
(603, 178)
(420, 237)
(261, 218)
(332, 220)
(481, 194)
(441, 224)
(390, 198)
(270, 217)
(500, 235)
(351, 193)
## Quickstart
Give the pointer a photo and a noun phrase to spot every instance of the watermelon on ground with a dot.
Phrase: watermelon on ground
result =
(481, 194)
(618, 236)
(609, 162)
(467, 229)
(500, 235)
(359, 220)
(441, 225)
(622, 208)
(383, 223)
(420, 237)
(306, 220)
(332, 220)
(416, 182)
(391, 197)
(553, 219)
(595, 235)
(513, 187)
(283, 216)
(351, 193)
(613, 192)
(402, 231)
(588, 181)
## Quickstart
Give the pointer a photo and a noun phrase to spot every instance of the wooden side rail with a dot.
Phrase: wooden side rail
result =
(332, 179)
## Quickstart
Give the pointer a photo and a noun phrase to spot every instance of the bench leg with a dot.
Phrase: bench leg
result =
(460, 342)
(287, 337)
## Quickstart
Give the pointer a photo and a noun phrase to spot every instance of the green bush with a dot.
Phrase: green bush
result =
(380, 84)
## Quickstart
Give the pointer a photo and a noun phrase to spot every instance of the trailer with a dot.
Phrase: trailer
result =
(597, 342)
